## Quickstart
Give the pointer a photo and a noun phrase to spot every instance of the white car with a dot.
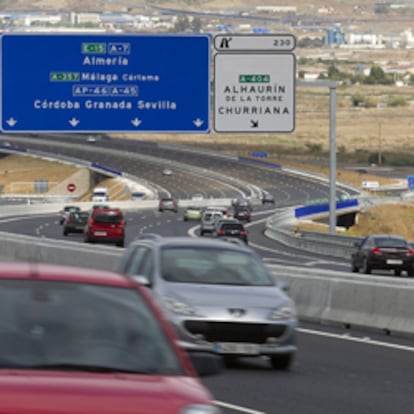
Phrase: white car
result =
(197, 197)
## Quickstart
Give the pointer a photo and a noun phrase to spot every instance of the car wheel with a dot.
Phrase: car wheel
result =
(354, 268)
(397, 272)
(282, 362)
(365, 267)
(121, 243)
(65, 233)
(410, 272)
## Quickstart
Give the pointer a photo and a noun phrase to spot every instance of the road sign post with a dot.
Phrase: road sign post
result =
(105, 83)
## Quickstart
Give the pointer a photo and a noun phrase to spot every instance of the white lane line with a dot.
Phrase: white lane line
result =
(238, 408)
(364, 339)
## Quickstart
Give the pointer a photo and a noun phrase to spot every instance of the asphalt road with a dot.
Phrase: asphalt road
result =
(336, 369)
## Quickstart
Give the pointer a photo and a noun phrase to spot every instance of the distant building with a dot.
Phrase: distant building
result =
(335, 37)
(362, 38)
(82, 18)
(276, 9)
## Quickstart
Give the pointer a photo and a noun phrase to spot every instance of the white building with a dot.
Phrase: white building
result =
(29, 19)
(82, 18)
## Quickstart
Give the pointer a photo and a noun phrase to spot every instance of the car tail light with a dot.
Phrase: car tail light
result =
(376, 250)
(410, 252)
(220, 232)
(243, 233)
(69, 220)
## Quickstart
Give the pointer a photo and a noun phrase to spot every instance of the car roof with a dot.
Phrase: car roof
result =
(183, 241)
(387, 236)
(62, 273)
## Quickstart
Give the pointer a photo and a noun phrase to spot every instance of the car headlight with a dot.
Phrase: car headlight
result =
(179, 307)
(200, 409)
(284, 312)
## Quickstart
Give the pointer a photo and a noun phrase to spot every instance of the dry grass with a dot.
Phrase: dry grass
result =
(18, 173)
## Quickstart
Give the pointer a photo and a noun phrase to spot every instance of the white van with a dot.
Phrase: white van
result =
(100, 194)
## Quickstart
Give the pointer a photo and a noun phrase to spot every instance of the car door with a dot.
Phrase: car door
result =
(363, 251)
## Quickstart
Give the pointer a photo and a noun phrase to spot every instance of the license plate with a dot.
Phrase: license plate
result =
(100, 233)
(394, 262)
(236, 348)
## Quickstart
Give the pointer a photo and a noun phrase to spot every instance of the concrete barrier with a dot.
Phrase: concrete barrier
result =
(376, 302)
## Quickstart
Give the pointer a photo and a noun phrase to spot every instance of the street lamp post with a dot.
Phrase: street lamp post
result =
(379, 144)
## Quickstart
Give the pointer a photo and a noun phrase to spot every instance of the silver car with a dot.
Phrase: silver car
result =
(219, 296)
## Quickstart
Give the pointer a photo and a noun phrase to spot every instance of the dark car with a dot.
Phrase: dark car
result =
(383, 252)
(105, 226)
(230, 228)
(65, 212)
(242, 213)
(242, 202)
(267, 198)
(75, 222)
(78, 340)
(169, 204)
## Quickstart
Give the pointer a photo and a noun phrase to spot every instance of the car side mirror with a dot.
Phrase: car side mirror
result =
(284, 286)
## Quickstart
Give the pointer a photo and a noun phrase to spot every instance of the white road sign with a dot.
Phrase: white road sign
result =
(254, 92)
(258, 43)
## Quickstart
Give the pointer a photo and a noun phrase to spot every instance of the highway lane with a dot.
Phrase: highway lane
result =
(331, 373)
(336, 371)
(236, 176)
(348, 371)
(171, 224)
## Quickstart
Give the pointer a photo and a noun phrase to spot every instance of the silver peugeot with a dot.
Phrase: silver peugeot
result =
(219, 296)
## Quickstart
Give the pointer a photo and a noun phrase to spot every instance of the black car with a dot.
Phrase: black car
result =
(383, 252)
(242, 213)
(267, 198)
(230, 228)
(75, 222)
(65, 212)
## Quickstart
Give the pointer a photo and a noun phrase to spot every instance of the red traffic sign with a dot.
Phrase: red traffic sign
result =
(71, 187)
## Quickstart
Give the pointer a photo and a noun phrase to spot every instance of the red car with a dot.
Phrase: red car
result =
(79, 341)
(105, 225)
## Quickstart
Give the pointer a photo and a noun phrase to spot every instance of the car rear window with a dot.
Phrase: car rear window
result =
(390, 242)
(107, 218)
(232, 226)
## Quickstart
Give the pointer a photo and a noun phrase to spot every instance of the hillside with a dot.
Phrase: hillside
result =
(303, 6)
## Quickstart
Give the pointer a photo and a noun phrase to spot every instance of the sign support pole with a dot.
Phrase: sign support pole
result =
(332, 158)
(332, 148)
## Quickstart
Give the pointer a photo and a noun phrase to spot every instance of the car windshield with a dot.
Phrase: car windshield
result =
(73, 326)
(81, 216)
(213, 266)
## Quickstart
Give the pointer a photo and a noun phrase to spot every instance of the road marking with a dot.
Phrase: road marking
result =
(238, 408)
(364, 339)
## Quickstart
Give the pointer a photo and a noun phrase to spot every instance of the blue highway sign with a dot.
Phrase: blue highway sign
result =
(105, 83)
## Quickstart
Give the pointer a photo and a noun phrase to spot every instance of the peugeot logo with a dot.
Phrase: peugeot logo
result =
(237, 312)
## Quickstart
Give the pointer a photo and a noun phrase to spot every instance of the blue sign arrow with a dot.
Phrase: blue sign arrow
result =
(105, 83)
